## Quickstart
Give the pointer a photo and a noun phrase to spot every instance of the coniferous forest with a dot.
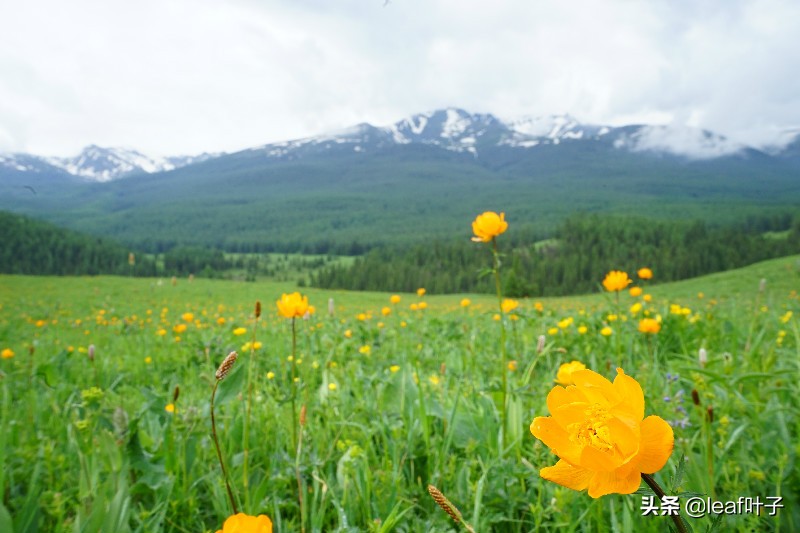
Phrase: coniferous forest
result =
(572, 261)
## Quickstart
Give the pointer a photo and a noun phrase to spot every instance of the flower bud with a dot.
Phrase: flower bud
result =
(226, 365)
(702, 357)
(331, 307)
(90, 353)
(540, 343)
(695, 397)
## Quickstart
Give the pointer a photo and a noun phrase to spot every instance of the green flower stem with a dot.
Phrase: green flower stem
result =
(294, 385)
(660, 493)
(219, 451)
(246, 429)
(496, 269)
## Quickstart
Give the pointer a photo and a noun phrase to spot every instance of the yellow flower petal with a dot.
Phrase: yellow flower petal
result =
(612, 483)
(596, 388)
(566, 475)
(630, 391)
(657, 441)
(599, 460)
(547, 430)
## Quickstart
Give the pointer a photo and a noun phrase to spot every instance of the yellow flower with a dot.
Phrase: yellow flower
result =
(348, 333)
(599, 433)
(564, 324)
(394, 368)
(395, 299)
(496, 316)
(331, 386)
(292, 305)
(434, 379)
(509, 305)
(649, 325)
(786, 317)
(242, 523)
(7, 353)
(161, 332)
(635, 291)
(180, 328)
(188, 317)
(380, 325)
(248, 345)
(403, 324)
(635, 308)
(148, 360)
(221, 321)
(311, 310)
(512, 366)
(616, 280)
(606, 331)
(170, 408)
(421, 292)
(386, 311)
(488, 226)
(465, 302)
(365, 350)
(270, 375)
(552, 331)
(644, 273)
(582, 330)
(647, 298)
(239, 331)
(564, 374)
(423, 305)
(538, 306)
(361, 317)
(413, 307)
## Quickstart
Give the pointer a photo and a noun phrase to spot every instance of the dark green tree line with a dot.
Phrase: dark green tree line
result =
(584, 249)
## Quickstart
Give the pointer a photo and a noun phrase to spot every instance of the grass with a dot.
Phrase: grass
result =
(89, 446)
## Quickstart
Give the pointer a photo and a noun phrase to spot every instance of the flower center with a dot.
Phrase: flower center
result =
(593, 431)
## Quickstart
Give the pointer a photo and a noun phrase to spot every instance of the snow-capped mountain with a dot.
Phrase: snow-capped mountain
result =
(460, 131)
(96, 163)
(480, 136)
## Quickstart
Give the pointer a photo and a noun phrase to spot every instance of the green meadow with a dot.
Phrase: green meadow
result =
(393, 399)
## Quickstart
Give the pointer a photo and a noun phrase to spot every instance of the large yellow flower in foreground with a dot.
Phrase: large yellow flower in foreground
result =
(242, 523)
(488, 226)
(616, 280)
(598, 431)
(292, 305)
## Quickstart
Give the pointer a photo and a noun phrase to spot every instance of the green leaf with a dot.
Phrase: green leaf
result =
(6, 523)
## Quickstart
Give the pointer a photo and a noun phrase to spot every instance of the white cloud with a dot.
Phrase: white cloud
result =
(187, 76)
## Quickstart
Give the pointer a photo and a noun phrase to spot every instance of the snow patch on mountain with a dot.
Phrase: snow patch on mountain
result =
(96, 163)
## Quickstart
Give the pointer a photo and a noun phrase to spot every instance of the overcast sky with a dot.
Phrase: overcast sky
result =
(175, 77)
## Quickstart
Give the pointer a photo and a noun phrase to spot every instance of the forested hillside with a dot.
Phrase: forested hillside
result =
(584, 248)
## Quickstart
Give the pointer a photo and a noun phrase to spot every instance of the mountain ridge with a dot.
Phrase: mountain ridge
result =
(451, 128)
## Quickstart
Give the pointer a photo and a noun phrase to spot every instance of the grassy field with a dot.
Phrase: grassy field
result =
(394, 399)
